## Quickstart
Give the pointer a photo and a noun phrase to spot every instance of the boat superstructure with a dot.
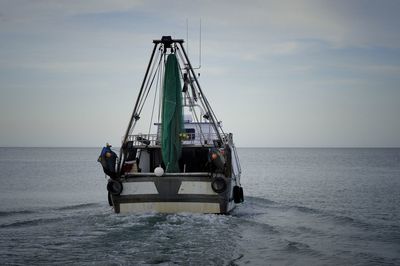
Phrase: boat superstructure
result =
(185, 162)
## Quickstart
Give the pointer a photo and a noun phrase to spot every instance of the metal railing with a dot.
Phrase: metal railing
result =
(145, 139)
(187, 139)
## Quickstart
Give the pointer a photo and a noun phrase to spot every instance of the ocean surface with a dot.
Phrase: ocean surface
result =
(302, 207)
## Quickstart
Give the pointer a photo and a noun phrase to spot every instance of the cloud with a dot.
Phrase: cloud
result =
(339, 23)
(42, 9)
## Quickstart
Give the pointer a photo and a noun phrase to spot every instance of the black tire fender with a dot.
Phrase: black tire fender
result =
(109, 199)
(218, 185)
(114, 187)
(236, 194)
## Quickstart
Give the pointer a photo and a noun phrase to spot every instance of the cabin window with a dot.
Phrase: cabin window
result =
(191, 133)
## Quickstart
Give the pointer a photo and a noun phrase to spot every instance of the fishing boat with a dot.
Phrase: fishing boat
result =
(185, 162)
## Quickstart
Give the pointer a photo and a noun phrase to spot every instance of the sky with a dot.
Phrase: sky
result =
(277, 73)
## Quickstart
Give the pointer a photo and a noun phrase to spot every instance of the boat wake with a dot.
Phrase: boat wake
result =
(259, 231)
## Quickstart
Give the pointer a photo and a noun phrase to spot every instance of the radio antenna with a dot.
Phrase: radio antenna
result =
(200, 46)
(187, 35)
(187, 41)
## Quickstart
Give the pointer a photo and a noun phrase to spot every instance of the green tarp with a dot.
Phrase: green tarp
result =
(172, 119)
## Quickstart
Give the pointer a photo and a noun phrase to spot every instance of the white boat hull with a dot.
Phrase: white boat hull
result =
(170, 207)
(172, 194)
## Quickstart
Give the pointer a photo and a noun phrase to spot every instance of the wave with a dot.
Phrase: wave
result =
(252, 206)
(305, 209)
(338, 218)
(32, 222)
(259, 200)
(302, 248)
(11, 213)
(255, 206)
(40, 216)
(8, 213)
(296, 246)
(78, 206)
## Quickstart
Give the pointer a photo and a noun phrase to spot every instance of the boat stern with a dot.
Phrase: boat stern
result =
(173, 193)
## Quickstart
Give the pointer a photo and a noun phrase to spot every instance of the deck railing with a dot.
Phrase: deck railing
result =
(187, 139)
(145, 139)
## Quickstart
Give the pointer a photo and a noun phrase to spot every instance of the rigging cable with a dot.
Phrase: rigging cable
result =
(140, 100)
(191, 103)
(147, 86)
(216, 124)
(148, 91)
(162, 70)
(155, 96)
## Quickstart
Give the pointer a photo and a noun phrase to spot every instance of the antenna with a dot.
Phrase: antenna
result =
(187, 41)
(187, 35)
(199, 47)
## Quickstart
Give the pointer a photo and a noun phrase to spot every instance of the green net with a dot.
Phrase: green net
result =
(172, 118)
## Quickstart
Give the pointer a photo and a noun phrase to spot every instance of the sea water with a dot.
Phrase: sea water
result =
(302, 207)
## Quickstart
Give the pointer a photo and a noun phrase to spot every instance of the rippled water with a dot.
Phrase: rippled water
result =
(302, 206)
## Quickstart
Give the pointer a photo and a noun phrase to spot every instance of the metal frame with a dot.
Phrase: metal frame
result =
(166, 42)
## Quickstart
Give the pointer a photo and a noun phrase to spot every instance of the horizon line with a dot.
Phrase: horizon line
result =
(240, 147)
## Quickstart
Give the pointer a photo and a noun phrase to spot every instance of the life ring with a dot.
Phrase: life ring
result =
(114, 187)
(218, 185)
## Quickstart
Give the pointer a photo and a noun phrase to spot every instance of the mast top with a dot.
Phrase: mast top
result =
(167, 41)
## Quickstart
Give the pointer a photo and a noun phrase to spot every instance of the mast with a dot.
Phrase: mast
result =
(175, 45)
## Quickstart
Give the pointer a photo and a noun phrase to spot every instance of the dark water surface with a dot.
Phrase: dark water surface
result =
(302, 207)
